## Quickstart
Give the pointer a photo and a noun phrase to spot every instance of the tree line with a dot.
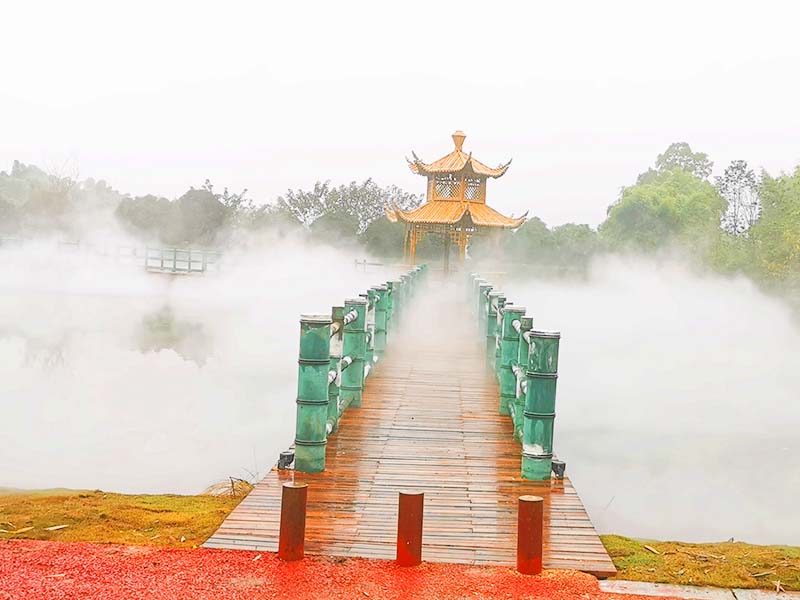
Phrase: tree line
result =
(739, 222)
(36, 203)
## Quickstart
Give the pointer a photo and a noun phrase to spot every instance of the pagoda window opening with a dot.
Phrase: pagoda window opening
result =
(472, 189)
(447, 186)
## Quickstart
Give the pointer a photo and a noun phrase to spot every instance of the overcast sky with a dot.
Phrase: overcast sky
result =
(157, 96)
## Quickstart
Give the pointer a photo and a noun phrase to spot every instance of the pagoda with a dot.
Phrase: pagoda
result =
(455, 205)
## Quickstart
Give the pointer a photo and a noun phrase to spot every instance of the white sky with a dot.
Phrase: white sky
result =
(157, 96)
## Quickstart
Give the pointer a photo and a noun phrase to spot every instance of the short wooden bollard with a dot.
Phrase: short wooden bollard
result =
(409, 529)
(529, 535)
(291, 540)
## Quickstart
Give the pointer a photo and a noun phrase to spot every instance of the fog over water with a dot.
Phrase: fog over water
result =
(133, 382)
(677, 407)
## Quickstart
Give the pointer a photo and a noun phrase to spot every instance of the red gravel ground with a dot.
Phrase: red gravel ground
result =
(36, 570)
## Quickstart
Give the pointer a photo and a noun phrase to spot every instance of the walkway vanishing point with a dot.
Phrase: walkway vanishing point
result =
(429, 422)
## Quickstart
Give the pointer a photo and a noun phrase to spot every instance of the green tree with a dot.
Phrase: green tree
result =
(679, 155)
(674, 205)
(9, 218)
(384, 239)
(776, 235)
(531, 243)
(273, 218)
(335, 227)
(365, 202)
(201, 217)
(147, 216)
(575, 244)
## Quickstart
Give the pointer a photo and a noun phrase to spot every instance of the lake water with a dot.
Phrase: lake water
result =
(134, 382)
(677, 409)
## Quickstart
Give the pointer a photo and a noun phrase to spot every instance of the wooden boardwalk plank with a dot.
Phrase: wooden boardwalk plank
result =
(429, 422)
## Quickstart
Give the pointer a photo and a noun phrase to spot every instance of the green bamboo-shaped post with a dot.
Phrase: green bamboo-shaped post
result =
(498, 335)
(381, 308)
(509, 349)
(369, 356)
(397, 303)
(526, 324)
(540, 405)
(483, 306)
(476, 296)
(390, 295)
(491, 326)
(405, 292)
(337, 315)
(312, 393)
(354, 346)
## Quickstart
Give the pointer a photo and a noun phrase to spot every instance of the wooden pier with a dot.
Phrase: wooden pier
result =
(429, 422)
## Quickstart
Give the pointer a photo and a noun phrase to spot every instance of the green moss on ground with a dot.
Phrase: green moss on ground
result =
(725, 564)
(96, 516)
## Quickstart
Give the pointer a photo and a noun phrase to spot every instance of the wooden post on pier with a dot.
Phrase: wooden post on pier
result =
(409, 528)
(530, 524)
(291, 539)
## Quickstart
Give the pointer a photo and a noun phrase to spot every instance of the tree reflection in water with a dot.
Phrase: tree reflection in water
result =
(162, 330)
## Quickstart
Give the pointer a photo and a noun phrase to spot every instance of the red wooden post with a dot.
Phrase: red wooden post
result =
(529, 535)
(291, 540)
(409, 529)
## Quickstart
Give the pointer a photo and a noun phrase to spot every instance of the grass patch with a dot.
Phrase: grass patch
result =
(725, 564)
(96, 516)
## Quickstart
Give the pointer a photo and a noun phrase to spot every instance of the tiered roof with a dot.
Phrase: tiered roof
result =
(468, 213)
(449, 212)
(456, 162)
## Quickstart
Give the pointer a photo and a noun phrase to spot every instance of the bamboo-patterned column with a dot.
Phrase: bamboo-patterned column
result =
(526, 324)
(368, 329)
(312, 393)
(509, 349)
(498, 334)
(355, 346)
(390, 312)
(491, 326)
(382, 293)
(337, 315)
(540, 405)
(483, 306)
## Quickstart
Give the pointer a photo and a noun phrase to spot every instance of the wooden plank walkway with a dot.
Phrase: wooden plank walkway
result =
(429, 422)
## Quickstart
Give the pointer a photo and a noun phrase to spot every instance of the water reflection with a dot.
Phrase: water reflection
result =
(163, 330)
(46, 352)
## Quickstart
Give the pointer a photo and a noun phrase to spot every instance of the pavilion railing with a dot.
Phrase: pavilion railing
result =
(337, 354)
(525, 362)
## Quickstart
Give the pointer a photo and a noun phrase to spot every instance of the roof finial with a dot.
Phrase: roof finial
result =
(458, 139)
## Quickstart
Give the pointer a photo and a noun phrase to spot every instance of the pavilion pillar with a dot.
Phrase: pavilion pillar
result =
(462, 246)
(412, 246)
(446, 258)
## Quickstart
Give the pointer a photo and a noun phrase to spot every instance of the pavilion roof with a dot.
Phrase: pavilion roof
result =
(449, 212)
(456, 162)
